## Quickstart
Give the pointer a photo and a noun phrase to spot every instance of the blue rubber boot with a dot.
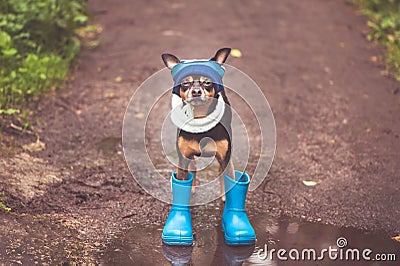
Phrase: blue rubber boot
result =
(178, 227)
(236, 225)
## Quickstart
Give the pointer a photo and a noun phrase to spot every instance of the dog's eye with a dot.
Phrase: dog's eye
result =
(186, 85)
(207, 84)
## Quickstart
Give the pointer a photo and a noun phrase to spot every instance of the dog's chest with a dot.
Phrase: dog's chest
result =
(207, 147)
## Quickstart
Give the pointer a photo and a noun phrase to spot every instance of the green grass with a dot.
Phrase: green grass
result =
(38, 42)
(384, 21)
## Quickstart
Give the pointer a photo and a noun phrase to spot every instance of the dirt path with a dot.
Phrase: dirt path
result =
(336, 116)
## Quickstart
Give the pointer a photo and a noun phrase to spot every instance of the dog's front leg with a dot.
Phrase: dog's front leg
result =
(186, 164)
(229, 170)
(183, 169)
(192, 168)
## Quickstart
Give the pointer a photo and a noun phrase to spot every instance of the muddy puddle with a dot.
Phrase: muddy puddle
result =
(300, 242)
(109, 145)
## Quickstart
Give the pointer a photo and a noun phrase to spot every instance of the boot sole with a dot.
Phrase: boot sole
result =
(173, 241)
(238, 241)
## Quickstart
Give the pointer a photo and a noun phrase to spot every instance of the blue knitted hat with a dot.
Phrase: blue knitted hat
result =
(208, 68)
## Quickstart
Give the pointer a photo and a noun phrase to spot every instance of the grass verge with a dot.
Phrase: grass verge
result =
(384, 21)
(38, 42)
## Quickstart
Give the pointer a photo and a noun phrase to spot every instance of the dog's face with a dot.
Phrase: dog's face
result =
(196, 90)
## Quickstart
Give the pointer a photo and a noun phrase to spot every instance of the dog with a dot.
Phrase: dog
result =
(200, 94)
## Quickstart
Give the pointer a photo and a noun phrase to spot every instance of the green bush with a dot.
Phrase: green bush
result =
(384, 20)
(37, 45)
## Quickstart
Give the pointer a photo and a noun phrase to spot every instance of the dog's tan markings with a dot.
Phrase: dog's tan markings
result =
(203, 78)
(209, 149)
(188, 147)
(230, 171)
(192, 168)
(182, 94)
(222, 148)
(210, 94)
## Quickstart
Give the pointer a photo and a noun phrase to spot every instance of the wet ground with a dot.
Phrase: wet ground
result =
(304, 243)
(73, 199)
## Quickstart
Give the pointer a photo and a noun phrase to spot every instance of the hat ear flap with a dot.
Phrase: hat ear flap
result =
(221, 55)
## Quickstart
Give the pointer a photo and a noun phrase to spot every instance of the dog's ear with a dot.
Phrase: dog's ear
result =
(170, 60)
(221, 55)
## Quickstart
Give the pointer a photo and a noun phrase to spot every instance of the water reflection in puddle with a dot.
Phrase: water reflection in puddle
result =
(142, 245)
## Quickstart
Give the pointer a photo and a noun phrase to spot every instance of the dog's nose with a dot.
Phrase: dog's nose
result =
(196, 92)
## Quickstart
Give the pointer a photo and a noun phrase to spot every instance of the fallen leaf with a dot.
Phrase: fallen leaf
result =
(171, 33)
(309, 183)
(236, 53)
(368, 129)
(118, 79)
(396, 238)
(99, 28)
(4, 207)
(139, 115)
(110, 95)
(35, 146)
(177, 5)
(384, 72)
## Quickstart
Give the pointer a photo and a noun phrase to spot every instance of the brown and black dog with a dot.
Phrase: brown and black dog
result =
(200, 92)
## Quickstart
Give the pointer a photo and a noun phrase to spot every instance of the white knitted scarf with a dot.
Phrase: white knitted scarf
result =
(183, 117)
